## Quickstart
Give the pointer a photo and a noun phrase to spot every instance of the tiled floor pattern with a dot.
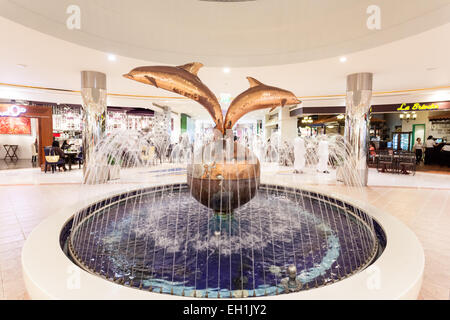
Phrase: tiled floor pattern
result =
(35, 196)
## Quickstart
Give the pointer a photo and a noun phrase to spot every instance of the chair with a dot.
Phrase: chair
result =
(50, 159)
(79, 158)
(385, 161)
(407, 161)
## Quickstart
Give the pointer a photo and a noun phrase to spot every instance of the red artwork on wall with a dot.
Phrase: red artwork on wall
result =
(11, 125)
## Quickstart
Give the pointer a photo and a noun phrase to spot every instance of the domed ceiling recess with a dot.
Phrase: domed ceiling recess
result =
(229, 33)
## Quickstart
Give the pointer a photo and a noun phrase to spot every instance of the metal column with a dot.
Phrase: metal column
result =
(357, 121)
(93, 93)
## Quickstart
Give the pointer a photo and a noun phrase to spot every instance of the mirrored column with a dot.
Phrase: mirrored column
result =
(357, 121)
(93, 93)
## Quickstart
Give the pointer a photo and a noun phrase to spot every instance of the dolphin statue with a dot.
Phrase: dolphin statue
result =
(182, 80)
(258, 96)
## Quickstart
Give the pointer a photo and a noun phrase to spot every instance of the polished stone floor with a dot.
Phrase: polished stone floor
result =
(16, 164)
(28, 196)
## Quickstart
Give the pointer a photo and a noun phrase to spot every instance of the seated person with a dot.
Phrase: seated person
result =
(65, 145)
(58, 151)
(372, 152)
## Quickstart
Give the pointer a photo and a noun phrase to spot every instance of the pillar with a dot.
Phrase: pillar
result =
(357, 120)
(93, 93)
(287, 125)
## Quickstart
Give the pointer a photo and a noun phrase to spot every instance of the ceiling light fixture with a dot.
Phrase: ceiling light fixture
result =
(112, 57)
(226, 70)
(343, 59)
(23, 66)
(408, 116)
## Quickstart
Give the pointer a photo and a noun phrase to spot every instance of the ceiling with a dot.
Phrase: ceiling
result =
(233, 34)
(419, 60)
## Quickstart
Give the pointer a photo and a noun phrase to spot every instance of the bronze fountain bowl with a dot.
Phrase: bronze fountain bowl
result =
(226, 185)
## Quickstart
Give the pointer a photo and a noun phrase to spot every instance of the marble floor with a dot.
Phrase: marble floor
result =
(422, 202)
(16, 164)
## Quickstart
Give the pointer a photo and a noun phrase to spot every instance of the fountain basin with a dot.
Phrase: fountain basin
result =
(48, 272)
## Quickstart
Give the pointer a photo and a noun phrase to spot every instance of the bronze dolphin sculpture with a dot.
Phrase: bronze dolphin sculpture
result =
(182, 80)
(258, 96)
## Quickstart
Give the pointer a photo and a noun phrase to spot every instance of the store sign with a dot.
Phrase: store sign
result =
(13, 111)
(418, 106)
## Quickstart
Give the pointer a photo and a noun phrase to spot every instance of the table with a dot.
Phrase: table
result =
(11, 151)
(70, 155)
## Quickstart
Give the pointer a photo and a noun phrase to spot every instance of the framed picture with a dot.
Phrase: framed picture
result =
(12, 125)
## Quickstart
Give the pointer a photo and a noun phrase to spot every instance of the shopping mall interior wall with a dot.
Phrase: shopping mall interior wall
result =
(392, 121)
(422, 118)
(23, 141)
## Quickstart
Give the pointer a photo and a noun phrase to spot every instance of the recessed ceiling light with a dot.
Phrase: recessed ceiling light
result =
(112, 57)
(343, 59)
(226, 70)
(23, 66)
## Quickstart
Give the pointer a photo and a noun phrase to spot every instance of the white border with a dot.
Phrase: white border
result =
(396, 274)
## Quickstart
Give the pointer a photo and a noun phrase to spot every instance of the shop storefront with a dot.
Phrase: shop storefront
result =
(22, 126)
(392, 126)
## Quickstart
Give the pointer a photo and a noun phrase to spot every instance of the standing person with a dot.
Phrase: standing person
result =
(429, 145)
(418, 147)
(34, 152)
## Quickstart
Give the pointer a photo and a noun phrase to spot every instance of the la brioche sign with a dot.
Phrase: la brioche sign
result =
(418, 107)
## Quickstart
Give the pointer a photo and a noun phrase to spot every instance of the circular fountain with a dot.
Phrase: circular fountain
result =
(162, 241)
(223, 231)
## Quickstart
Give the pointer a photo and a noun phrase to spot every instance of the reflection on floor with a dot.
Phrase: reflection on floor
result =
(433, 168)
(16, 164)
(27, 196)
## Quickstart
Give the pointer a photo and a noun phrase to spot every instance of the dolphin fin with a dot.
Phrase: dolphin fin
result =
(192, 67)
(152, 80)
(253, 82)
